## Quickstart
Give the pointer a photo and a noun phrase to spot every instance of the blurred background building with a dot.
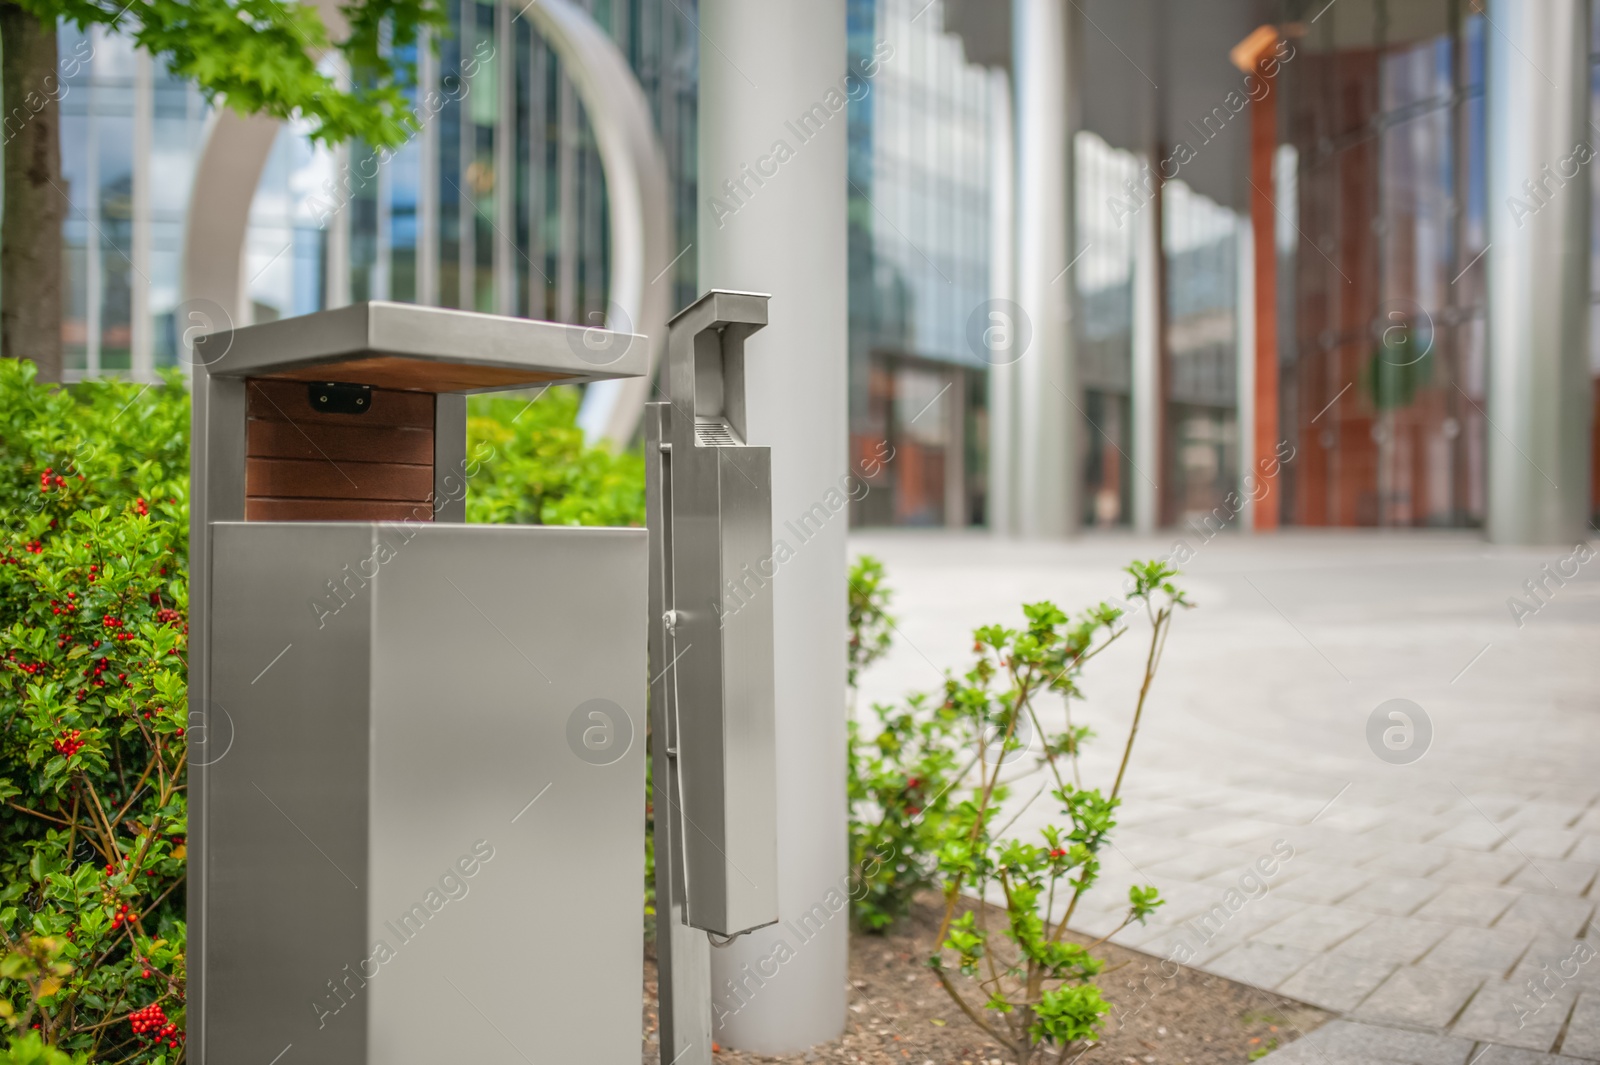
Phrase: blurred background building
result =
(1376, 198)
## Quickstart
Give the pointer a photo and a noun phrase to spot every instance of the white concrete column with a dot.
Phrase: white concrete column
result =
(1049, 415)
(428, 179)
(1539, 393)
(1146, 382)
(774, 73)
(1001, 503)
(1245, 341)
(144, 111)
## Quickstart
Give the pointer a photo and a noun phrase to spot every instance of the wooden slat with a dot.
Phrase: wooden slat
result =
(335, 510)
(319, 479)
(274, 400)
(419, 375)
(316, 439)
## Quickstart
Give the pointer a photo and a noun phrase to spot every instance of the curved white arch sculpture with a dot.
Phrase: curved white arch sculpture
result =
(636, 189)
(236, 150)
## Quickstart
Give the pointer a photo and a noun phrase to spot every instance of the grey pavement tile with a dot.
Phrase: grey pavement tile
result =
(1354, 819)
(1262, 965)
(1587, 848)
(1221, 924)
(1556, 876)
(1475, 834)
(1549, 913)
(1427, 998)
(1582, 1039)
(1195, 864)
(1323, 883)
(1238, 833)
(1503, 1055)
(1544, 842)
(1411, 859)
(1509, 1013)
(1343, 1042)
(1394, 895)
(1469, 904)
(1182, 899)
(1588, 821)
(1145, 814)
(1412, 827)
(1559, 961)
(1401, 940)
(1342, 849)
(1144, 848)
(1335, 982)
(1184, 946)
(1315, 927)
(1582, 796)
(1546, 814)
(1469, 867)
(1483, 950)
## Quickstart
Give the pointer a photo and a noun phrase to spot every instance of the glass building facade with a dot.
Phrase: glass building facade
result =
(498, 205)
(919, 160)
(1382, 340)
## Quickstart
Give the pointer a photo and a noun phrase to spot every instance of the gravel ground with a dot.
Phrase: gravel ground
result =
(899, 1013)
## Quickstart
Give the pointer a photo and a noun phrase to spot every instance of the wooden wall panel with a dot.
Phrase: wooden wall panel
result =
(304, 464)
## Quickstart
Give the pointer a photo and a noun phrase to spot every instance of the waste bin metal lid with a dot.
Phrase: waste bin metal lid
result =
(421, 349)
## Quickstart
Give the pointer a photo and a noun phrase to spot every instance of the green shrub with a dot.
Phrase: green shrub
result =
(869, 622)
(900, 779)
(539, 471)
(93, 708)
(93, 611)
(900, 784)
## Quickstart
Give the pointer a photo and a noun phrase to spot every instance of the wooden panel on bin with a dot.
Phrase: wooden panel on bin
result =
(303, 464)
(287, 401)
(335, 510)
(308, 439)
(417, 375)
(327, 479)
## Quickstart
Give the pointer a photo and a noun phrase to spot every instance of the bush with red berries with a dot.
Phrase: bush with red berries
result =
(93, 638)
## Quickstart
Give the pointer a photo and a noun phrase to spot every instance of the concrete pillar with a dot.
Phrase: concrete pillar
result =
(1049, 412)
(1000, 503)
(1539, 392)
(772, 220)
(1149, 319)
(1245, 356)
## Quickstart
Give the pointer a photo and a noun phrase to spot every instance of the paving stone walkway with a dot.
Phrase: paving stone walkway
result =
(1451, 896)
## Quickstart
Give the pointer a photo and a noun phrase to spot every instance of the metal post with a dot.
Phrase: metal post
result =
(709, 507)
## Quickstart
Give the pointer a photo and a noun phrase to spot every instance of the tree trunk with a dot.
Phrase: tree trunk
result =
(35, 196)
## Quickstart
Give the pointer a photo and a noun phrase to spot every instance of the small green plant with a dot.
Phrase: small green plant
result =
(1263, 1050)
(1028, 986)
(870, 623)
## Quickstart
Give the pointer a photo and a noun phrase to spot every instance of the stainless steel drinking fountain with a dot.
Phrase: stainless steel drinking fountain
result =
(416, 762)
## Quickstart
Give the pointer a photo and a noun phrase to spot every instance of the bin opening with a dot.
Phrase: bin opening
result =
(305, 464)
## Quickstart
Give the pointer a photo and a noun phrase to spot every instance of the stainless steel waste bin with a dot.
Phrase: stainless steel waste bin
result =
(416, 805)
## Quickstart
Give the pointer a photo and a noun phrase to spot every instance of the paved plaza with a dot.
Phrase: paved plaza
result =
(1444, 905)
